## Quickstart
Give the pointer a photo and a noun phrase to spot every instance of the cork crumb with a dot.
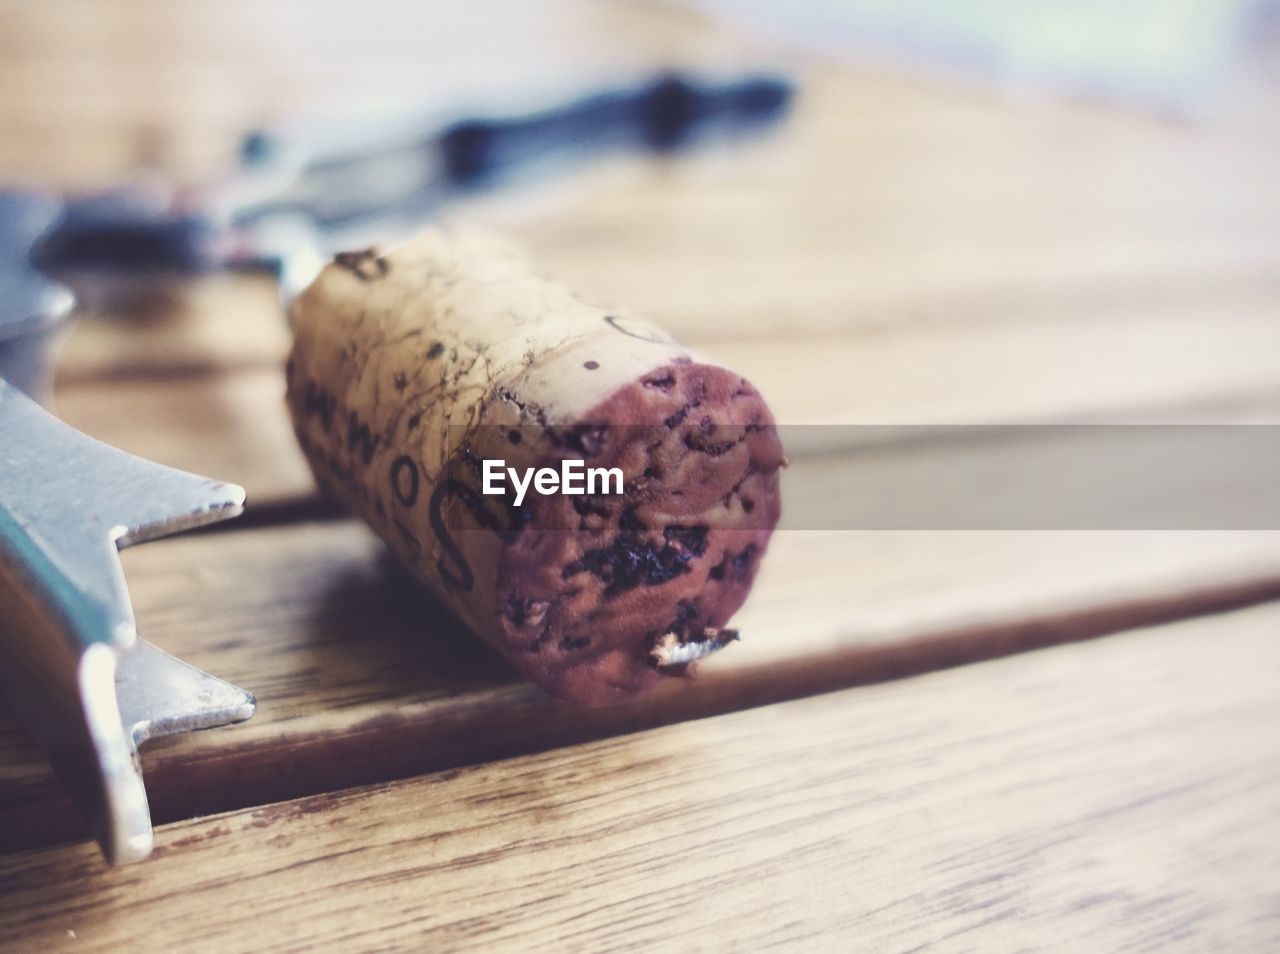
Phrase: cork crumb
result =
(673, 655)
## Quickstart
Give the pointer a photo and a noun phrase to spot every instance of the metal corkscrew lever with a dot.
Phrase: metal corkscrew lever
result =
(71, 663)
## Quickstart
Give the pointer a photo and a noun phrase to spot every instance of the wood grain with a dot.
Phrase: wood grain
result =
(229, 427)
(156, 328)
(1179, 365)
(1115, 795)
(889, 217)
(1105, 256)
(888, 202)
(360, 678)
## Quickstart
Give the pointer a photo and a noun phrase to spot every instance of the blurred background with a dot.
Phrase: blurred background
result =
(951, 175)
(997, 172)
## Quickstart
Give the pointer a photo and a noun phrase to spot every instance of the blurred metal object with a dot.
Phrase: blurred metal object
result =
(33, 310)
(302, 195)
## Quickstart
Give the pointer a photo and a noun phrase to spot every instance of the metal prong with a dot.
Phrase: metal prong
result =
(137, 695)
(161, 695)
(71, 663)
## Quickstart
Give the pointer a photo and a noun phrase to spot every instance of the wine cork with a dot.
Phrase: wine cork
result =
(411, 368)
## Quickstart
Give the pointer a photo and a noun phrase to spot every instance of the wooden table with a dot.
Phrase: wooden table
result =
(884, 762)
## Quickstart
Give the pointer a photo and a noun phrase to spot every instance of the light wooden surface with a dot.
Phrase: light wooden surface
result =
(359, 678)
(1119, 796)
(900, 253)
(1174, 363)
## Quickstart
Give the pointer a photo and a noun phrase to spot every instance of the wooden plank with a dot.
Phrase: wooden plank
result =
(227, 426)
(889, 202)
(173, 328)
(1118, 795)
(1175, 365)
(360, 678)
(884, 203)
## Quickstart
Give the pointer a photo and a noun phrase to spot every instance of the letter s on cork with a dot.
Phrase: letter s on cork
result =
(413, 367)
